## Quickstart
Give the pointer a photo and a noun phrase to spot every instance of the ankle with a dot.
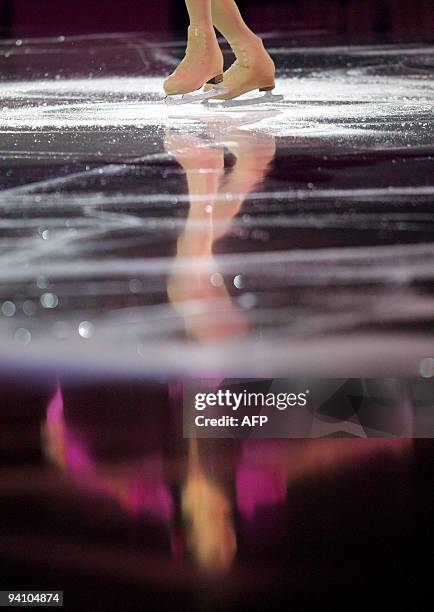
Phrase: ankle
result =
(246, 39)
(246, 49)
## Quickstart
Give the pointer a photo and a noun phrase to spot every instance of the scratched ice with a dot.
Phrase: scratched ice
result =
(251, 239)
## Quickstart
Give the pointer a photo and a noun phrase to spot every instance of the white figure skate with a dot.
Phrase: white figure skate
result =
(253, 69)
(202, 64)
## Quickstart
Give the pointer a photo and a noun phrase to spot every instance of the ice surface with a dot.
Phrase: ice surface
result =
(253, 239)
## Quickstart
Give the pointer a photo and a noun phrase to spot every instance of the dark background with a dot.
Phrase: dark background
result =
(20, 18)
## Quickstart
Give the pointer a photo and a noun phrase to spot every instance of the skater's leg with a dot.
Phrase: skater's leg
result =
(203, 61)
(228, 20)
(199, 13)
(253, 68)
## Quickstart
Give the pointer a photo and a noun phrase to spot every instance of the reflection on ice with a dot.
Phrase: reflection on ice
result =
(104, 201)
(195, 287)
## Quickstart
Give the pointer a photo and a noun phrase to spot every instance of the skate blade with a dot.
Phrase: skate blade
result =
(267, 98)
(198, 96)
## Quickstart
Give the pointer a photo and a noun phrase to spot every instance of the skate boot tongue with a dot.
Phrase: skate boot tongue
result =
(242, 55)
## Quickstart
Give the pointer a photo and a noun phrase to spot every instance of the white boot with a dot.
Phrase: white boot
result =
(203, 63)
(252, 69)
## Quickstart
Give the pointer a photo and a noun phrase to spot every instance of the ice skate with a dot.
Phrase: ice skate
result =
(252, 70)
(195, 96)
(203, 63)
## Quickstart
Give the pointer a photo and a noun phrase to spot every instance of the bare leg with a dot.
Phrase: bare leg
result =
(199, 12)
(228, 20)
(203, 61)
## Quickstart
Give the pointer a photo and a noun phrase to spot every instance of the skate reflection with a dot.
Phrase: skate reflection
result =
(196, 287)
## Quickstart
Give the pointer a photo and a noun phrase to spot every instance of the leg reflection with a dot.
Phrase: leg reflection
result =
(208, 516)
(196, 287)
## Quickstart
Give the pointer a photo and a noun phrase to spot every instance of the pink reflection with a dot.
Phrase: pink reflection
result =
(136, 495)
(268, 467)
(261, 474)
(61, 445)
(256, 487)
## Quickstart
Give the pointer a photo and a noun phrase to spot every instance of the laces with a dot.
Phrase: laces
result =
(197, 43)
(242, 55)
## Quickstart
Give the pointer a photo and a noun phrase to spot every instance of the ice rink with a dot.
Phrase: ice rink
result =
(248, 238)
(144, 246)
